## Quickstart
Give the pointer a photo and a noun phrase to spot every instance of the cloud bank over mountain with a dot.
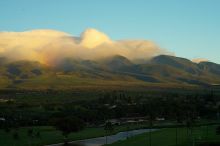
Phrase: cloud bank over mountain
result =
(198, 60)
(51, 46)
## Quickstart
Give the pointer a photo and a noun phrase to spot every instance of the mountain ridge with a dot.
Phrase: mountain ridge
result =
(162, 69)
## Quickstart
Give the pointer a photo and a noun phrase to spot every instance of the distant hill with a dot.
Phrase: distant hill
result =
(113, 71)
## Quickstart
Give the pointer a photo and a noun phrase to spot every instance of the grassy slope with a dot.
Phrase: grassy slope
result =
(4, 82)
(69, 82)
(167, 70)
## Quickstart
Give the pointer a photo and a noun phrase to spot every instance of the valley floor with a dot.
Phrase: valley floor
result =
(163, 137)
(167, 137)
(49, 135)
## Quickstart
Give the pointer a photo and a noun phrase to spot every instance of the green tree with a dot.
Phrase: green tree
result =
(108, 130)
(218, 130)
(15, 136)
(68, 125)
(30, 132)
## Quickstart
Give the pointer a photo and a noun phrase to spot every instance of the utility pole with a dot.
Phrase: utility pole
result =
(176, 136)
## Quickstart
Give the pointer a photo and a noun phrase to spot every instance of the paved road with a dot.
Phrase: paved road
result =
(99, 141)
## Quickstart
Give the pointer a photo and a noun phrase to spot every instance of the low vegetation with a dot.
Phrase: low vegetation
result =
(167, 137)
(157, 108)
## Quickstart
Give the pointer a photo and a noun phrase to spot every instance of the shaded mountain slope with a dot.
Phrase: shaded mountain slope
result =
(117, 69)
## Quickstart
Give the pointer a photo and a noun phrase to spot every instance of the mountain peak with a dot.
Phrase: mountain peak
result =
(117, 62)
(173, 61)
(165, 58)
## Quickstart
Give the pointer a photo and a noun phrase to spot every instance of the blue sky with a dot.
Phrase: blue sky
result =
(189, 28)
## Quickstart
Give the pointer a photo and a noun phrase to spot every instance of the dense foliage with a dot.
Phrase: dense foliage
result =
(39, 107)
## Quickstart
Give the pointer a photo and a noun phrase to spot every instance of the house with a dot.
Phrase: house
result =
(160, 119)
(2, 119)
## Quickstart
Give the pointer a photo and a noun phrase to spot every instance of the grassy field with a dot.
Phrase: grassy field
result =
(48, 135)
(163, 137)
(167, 137)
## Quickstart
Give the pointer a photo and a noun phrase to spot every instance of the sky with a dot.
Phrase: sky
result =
(189, 28)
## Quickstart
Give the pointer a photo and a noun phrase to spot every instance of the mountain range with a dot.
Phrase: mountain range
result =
(51, 59)
(111, 71)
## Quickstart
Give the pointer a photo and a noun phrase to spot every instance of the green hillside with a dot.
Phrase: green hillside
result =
(115, 72)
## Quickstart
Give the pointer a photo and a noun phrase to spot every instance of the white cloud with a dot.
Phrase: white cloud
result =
(50, 46)
(92, 38)
(198, 60)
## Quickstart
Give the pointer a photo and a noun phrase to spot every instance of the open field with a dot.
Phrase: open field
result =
(49, 135)
(95, 106)
(167, 137)
(87, 92)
